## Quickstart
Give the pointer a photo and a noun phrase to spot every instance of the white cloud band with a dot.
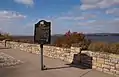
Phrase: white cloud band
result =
(9, 20)
(11, 15)
(94, 4)
(26, 2)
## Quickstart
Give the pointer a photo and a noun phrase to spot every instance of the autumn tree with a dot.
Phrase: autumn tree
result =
(72, 39)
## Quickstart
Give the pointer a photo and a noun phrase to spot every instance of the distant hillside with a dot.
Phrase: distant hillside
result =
(30, 39)
(103, 34)
(107, 37)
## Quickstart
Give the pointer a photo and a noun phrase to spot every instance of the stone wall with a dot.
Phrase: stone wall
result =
(65, 54)
(105, 62)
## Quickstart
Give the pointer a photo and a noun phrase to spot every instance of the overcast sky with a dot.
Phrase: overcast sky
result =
(18, 17)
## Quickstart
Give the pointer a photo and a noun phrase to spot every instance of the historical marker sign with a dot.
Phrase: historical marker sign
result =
(42, 35)
(42, 32)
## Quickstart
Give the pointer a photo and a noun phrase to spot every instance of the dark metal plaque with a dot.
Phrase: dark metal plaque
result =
(42, 32)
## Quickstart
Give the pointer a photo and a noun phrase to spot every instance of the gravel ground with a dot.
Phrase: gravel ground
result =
(7, 60)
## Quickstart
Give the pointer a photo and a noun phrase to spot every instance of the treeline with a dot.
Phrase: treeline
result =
(103, 34)
(24, 39)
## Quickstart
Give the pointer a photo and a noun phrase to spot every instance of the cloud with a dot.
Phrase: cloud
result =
(94, 4)
(101, 26)
(26, 2)
(70, 18)
(10, 21)
(9, 15)
(113, 11)
(88, 21)
(81, 16)
(100, 22)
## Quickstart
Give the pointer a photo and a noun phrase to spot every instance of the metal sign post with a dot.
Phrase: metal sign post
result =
(42, 65)
(42, 35)
(5, 43)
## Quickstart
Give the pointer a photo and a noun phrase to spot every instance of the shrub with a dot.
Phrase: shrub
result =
(72, 39)
(2, 38)
(104, 47)
(5, 36)
(99, 46)
(114, 48)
